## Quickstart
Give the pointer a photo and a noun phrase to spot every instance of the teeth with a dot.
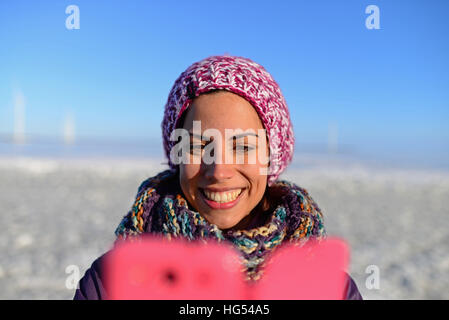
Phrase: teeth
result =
(222, 197)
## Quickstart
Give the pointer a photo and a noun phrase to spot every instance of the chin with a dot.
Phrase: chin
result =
(222, 222)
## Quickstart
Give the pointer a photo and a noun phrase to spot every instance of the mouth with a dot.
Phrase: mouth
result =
(221, 200)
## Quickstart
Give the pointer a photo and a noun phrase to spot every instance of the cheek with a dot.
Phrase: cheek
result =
(258, 179)
(188, 171)
(187, 179)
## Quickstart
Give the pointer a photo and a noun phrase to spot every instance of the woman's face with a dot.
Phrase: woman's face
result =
(224, 192)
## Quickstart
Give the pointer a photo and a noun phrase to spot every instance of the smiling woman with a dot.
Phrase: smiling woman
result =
(228, 199)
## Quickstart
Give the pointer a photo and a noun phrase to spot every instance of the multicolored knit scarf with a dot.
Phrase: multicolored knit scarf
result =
(161, 209)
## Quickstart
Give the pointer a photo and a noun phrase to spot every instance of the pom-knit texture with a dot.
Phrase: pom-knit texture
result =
(246, 78)
(160, 209)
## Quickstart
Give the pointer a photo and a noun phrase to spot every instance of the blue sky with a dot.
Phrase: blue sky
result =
(387, 89)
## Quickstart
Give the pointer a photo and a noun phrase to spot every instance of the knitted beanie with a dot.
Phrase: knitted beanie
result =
(249, 80)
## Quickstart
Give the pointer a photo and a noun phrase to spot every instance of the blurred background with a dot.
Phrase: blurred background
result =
(82, 90)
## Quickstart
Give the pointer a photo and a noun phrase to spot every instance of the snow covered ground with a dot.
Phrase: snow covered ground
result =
(60, 213)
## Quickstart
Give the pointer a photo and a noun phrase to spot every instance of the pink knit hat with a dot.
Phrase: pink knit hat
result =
(247, 79)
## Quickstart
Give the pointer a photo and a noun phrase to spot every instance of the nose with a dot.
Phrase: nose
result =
(218, 171)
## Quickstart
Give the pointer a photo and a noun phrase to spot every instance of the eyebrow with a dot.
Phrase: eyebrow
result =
(237, 136)
(245, 134)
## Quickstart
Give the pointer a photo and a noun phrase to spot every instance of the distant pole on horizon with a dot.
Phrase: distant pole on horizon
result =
(332, 139)
(19, 118)
(69, 129)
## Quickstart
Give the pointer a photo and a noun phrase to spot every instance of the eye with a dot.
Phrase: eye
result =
(196, 148)
(243, 148)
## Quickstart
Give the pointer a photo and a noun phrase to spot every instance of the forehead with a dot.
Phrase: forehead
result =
(222, 110)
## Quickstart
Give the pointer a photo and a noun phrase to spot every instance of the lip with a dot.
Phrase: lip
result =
(218, 205)
(212, 189)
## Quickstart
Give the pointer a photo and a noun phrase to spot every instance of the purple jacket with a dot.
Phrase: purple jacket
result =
(91, 286)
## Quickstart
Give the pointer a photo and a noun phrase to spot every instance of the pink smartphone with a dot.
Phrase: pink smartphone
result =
(157, 269)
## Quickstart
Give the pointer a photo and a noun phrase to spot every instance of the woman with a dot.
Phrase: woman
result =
(227, 135)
